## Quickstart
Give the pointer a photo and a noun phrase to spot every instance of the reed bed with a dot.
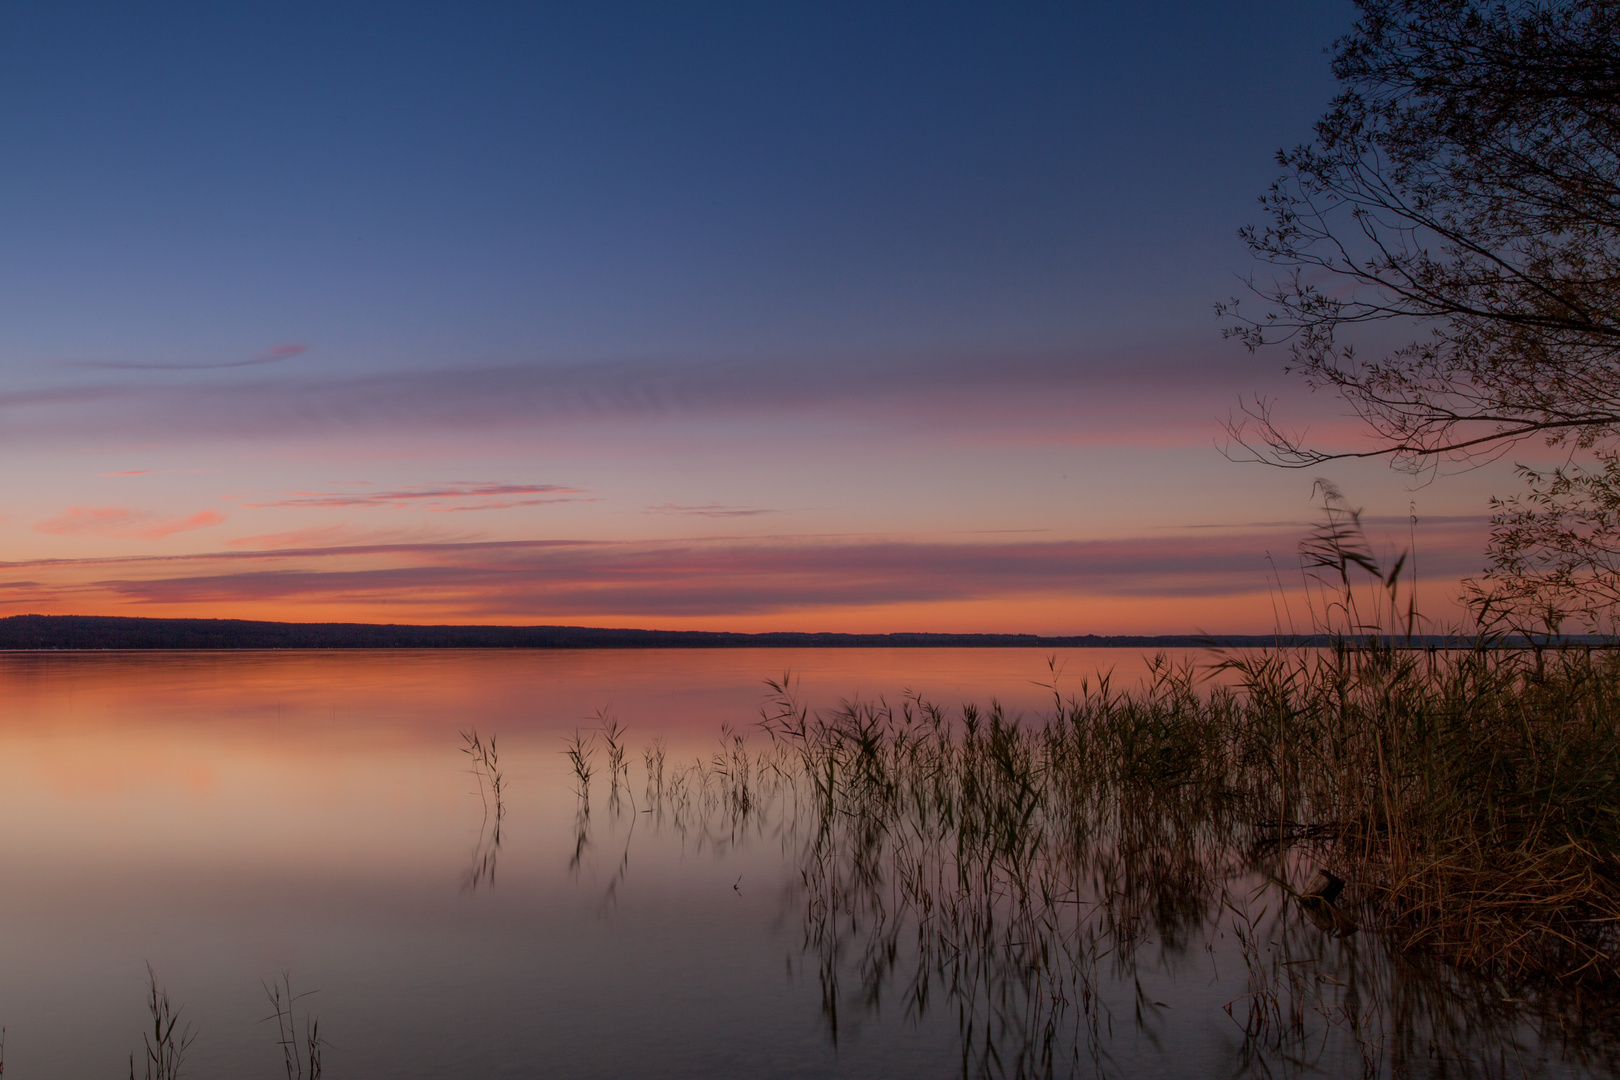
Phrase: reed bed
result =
(1471, 799)
(1462, 806)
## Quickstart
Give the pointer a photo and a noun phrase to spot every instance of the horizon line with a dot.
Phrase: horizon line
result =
(102, 633)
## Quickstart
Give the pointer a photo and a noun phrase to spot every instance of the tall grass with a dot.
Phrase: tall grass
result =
(1471, 795)
(612, 733)
(166, 1044)
(580, 751)
(1472, 799)
(300, 1054)
(486, 770)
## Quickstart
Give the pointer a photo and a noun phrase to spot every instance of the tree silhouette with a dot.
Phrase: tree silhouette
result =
(1465, 184)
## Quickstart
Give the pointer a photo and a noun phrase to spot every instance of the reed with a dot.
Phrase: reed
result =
(612, 733)
(653, 757)
(301, 1056)
(165, 1047)
(1462, 805)
(486, 770)
(581, 750)
(1471, 799)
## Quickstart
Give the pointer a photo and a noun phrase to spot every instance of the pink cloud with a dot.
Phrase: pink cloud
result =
(715, 510)
(544, 579)
(339, 537)
(1173, 398)
(117, 521)
(440, 495)
(501, 505)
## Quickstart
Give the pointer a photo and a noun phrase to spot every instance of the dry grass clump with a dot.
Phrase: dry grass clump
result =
(1471, 797)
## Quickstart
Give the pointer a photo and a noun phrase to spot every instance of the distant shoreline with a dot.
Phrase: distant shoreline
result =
(51, 633)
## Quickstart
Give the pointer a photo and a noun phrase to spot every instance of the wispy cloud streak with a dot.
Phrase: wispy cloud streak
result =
(1083, 397)
(712, 510)
(543, 580)
(440, 495)
(274, 355)
(120, 522)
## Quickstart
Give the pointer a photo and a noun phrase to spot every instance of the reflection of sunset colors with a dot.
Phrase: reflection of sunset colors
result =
(215, 739)
(793, 321)
(231, 817)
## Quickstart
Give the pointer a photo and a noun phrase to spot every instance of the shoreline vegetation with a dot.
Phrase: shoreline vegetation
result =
(1416, 855)
(1467, 803)
(1461, 807)
(44, 633)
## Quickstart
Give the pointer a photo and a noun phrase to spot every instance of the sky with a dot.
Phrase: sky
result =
(823, 317)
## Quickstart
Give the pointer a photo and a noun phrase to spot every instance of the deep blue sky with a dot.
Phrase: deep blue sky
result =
(815, 317)
(435, 184)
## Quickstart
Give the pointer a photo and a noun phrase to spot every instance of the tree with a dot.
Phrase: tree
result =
(1464, 186)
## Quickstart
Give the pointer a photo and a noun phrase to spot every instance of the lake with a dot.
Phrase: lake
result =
(236, 819)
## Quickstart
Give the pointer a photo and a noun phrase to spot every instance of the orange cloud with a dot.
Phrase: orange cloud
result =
(121, 522)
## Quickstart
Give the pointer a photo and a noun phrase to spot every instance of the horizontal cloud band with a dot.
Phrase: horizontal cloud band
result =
(547, 579)
(1123, 393)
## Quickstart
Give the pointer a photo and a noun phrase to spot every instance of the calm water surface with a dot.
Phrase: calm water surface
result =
(231, 818)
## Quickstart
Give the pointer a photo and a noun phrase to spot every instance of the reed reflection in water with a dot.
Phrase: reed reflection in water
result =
(1080, 916)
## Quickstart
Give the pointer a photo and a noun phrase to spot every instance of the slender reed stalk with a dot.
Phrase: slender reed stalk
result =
(486, 769)
(653, 759)
(301, 1056)
(165, 1046)
(580, 750)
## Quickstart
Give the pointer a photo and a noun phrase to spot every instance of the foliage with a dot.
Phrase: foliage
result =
(1555, 552)
(1463, 187)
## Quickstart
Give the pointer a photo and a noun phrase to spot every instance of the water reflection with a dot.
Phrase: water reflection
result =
(1072, 923)
(936, 912)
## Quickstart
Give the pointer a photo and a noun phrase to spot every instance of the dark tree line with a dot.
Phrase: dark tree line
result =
(1464, 186)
